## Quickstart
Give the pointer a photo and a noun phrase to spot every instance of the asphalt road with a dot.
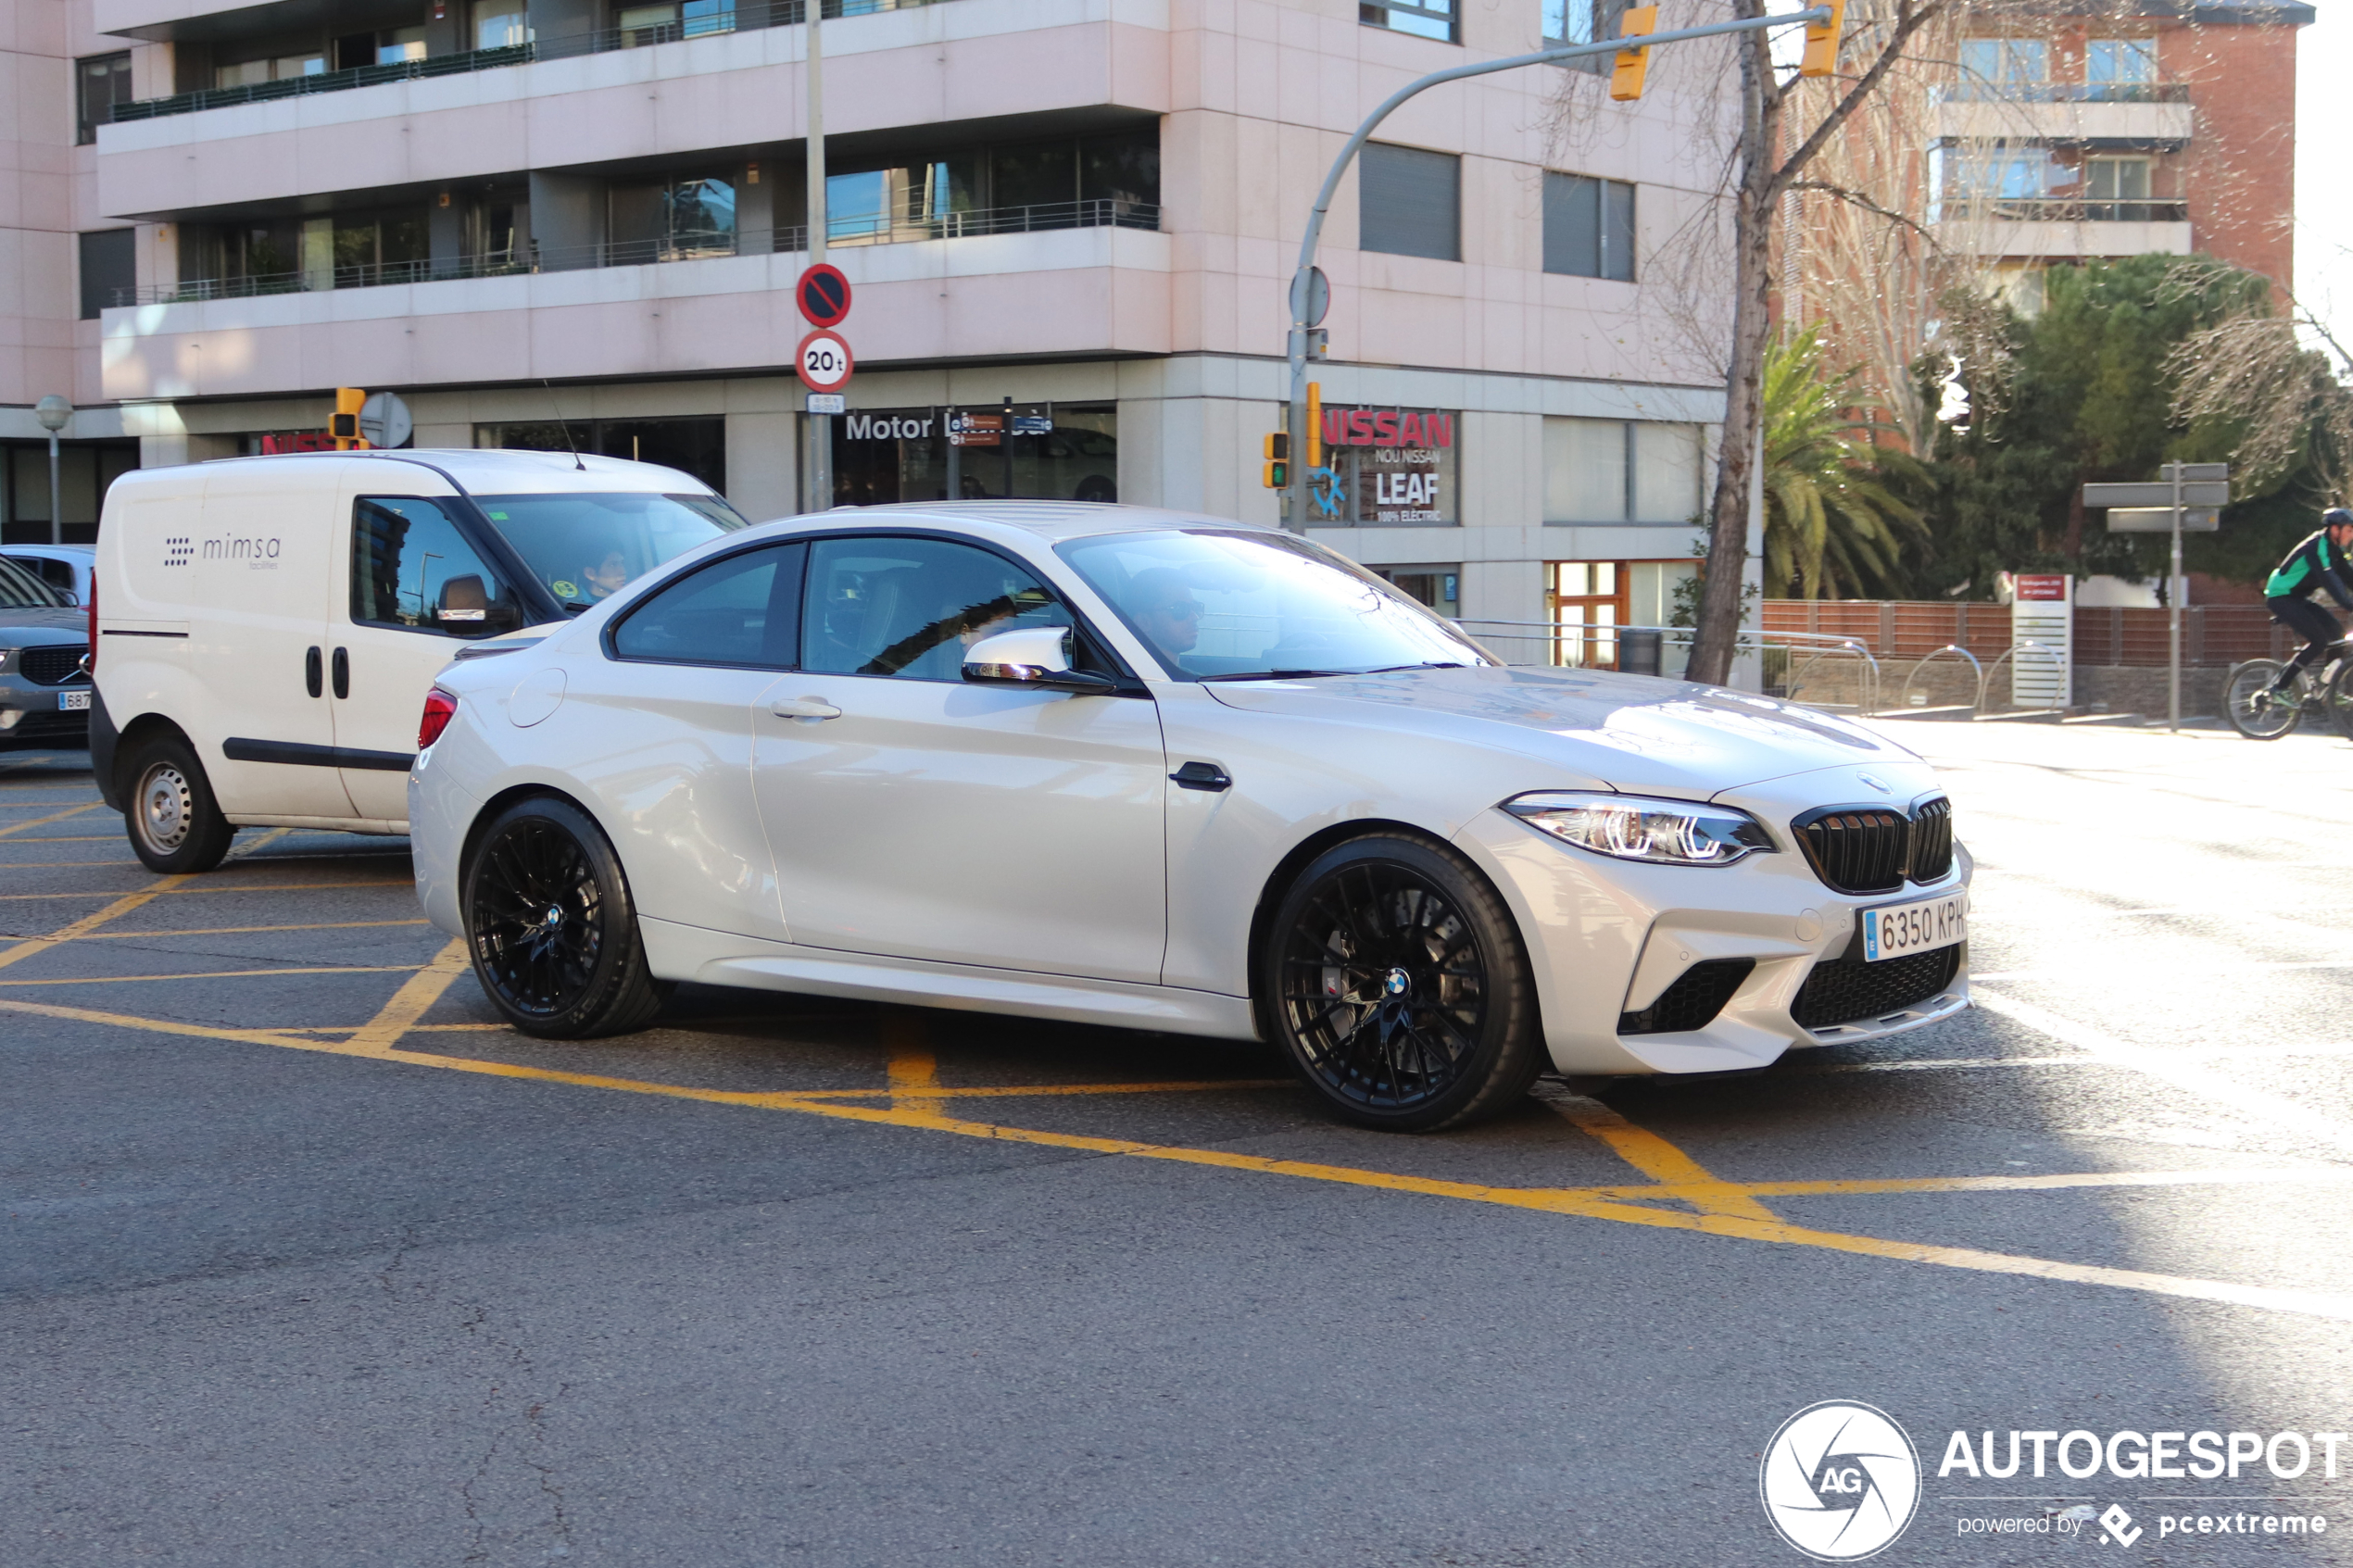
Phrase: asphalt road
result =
(307, 1262)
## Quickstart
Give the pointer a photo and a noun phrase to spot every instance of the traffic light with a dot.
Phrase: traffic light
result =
(344, 423)
(1822, 43)
(1626, 79)
(1315, 424)
(1277, 450)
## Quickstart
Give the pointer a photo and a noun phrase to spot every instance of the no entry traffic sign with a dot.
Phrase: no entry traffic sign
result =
(823, 295)
(823, 361)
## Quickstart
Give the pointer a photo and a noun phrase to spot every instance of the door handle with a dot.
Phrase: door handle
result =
(343, 672)
(803, 707)
(1201, 775)
(314, 673)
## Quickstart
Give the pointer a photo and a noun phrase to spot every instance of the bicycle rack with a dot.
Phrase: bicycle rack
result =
(1867, 698)
(2006, 654)
(1904, 697)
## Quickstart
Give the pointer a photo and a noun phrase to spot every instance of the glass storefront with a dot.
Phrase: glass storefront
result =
(1440, 588)
(1386, 467)
(697, 447)
(884, 455)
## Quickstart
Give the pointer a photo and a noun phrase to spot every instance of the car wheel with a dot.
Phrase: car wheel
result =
(1400, 988)
(176, 826)
(551, 928)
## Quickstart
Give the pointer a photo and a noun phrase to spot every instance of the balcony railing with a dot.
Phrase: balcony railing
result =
(888, 230)
(742, 19)
(2065, 92)
(2066, 210)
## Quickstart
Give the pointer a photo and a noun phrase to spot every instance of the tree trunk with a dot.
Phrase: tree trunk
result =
(1719, 604)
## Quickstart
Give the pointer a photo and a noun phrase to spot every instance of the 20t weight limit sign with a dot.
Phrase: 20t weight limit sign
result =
(824, 362)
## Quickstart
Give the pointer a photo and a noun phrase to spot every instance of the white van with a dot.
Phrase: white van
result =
(265, 628)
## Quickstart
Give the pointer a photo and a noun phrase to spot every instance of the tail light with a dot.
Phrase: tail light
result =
(90, 659)
(440, 708)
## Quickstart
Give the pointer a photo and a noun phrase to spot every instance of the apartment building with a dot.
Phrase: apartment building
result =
(2154, 127)
(552, 220)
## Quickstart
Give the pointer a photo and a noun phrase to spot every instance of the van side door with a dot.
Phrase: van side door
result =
(252, 570)
(413, 591)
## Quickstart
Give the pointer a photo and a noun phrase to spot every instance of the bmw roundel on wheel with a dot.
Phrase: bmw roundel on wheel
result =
(1146, 769)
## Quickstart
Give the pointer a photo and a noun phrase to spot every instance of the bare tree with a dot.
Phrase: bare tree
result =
(2255, 369)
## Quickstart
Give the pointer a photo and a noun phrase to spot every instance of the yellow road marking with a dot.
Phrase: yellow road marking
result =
(414, 999)
(230, 887)
(2221, 1176)
(1660, 1160)
(87, 924)
(239, 851)
(248, 930)
(915, 1071)
(217, 975)
(53, 817)
(1572, 1202)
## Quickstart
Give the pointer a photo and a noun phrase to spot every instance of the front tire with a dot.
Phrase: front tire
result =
(551, 927)
(1399, 986)
(175, 824)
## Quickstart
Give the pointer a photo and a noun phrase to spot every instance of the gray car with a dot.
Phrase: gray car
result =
(44, 692)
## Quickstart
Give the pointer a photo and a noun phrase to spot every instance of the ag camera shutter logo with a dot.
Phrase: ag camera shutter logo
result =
(1840, 1481)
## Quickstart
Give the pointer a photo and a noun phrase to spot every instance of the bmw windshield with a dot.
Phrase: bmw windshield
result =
(1214, 606)
(583, 549)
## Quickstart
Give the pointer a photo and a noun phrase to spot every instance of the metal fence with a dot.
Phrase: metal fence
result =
(2212, 636)
(1035, 217)
(741, 18)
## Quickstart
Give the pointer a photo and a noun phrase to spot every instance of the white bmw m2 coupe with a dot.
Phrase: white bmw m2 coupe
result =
(1147, 769)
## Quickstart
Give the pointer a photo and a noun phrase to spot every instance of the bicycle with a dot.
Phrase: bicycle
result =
(2258, 713)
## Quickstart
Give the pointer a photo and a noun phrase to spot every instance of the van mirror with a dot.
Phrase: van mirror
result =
(463, 598)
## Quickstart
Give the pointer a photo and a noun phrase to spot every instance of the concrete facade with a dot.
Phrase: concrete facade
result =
(1173, 321)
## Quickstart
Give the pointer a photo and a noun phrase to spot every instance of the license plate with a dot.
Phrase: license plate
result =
(68, 702)
(1898, 931)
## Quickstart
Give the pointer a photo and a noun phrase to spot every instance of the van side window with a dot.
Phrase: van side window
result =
(743, 612)
(412, 568)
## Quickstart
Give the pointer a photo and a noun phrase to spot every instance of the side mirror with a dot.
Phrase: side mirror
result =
(1036, 656)
(73, 601)
(463, 598)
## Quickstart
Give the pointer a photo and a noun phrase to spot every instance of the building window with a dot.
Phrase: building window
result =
(1440, 588)
(1589, 227)
(1585, 21)
(2120, 62)
(2002, 63)
(278, 61)
(500, 24)
(1589, 602)
(672, 219)
(1390, 466)
(1423, 18)
(109, 270)
(100, 82)
(85, 470)
(1409, 202)
(2116, 190)
(886, 455)
(697, 447)
(1620, 471)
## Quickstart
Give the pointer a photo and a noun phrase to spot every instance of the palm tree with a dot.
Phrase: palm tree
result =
(1833, 528)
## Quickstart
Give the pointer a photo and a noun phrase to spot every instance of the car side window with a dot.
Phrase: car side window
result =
(910, 607)
(743, 610)
(413, 570)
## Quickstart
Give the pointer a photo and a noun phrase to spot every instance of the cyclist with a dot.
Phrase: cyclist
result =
(2320, 562)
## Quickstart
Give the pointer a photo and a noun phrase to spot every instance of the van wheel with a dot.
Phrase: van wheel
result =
(1399, 986)
(551, 926)
(176, 826)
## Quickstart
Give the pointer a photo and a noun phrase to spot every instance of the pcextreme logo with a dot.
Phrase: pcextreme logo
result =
(1840, 1481)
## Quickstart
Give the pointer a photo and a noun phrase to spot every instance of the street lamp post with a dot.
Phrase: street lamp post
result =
(54, 412)
(1304, 295)
(821, 426)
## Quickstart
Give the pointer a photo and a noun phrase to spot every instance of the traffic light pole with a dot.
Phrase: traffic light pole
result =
(1296, 490)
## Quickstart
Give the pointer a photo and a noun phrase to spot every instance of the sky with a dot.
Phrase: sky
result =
(2323, 172)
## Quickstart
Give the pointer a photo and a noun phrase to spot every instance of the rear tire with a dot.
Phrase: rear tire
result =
(2253, 713)
(551, 928)
(1397, 983)
(2339, 701)
(175, 824)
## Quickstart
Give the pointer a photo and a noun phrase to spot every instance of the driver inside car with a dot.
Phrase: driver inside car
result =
(1165, 610)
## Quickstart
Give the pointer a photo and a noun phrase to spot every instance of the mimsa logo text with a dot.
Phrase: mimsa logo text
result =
(256, 552)
(1839, 1480)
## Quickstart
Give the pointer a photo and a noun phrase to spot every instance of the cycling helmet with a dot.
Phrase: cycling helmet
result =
(2336, 517)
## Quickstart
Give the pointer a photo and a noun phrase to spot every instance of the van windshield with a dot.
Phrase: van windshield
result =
(585, 547)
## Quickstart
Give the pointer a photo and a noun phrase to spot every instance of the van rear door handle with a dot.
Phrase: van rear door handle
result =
(314, 673)
(803, 707)
(343, 672)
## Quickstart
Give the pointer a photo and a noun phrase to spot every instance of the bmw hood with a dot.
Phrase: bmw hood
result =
(1634, 732)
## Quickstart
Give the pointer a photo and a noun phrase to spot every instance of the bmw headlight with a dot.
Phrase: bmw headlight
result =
(1634, 827)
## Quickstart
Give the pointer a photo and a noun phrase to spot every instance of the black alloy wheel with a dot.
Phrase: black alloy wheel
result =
(1400, 988)
(176, 826)
(551, 928)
